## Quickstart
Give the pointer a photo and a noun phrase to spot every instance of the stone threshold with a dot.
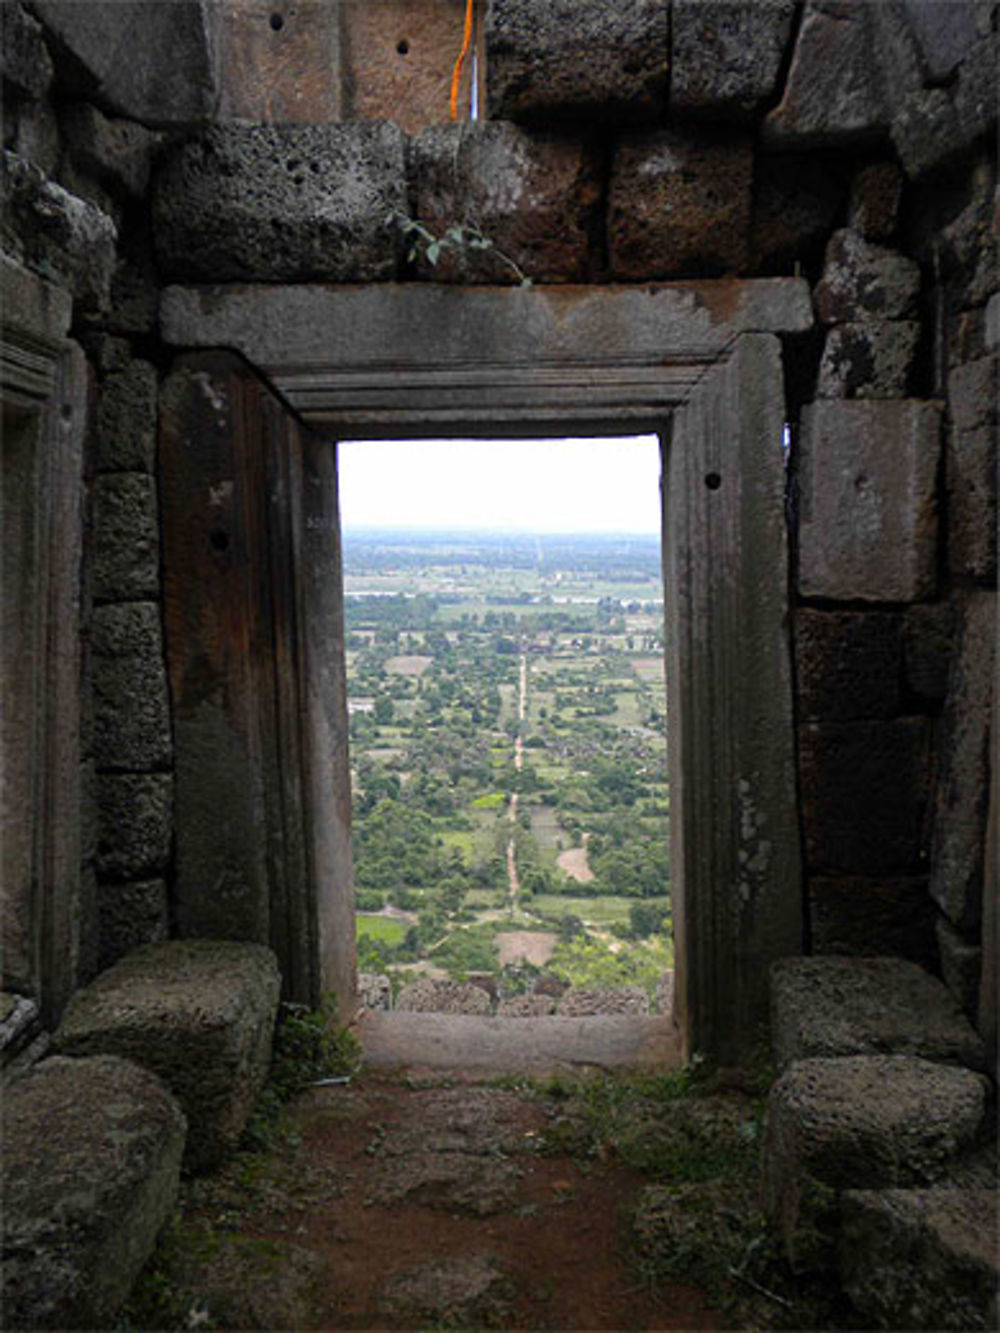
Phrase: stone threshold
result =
(472, 1042)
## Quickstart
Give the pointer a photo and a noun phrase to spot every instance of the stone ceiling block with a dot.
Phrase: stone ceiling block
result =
(154, 62)
(282, 203)
(679, 204)
(725, 58)
(833, 95)
(532, 196)
(569, 59)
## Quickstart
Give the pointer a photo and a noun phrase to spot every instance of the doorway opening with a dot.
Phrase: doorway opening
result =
(505, 675)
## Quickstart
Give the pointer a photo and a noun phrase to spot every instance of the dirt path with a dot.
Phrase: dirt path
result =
(513, 883)
(397, 1204)
(574, 862)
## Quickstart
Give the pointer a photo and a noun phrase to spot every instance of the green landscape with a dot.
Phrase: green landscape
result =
(507, 723)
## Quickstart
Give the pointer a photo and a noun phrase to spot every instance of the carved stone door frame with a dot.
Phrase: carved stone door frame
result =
(701, 365)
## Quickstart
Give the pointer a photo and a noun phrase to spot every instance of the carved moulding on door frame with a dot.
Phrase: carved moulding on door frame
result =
(43, 393)
(697, 362)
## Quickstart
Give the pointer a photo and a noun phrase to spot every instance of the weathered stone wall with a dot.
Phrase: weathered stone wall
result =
(849, 142)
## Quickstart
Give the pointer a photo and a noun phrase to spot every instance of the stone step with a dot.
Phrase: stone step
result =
(922, 1258)
(91, 1154)
(832, 1006)
(511, 1045)
(200, 1014)
(865, 1121)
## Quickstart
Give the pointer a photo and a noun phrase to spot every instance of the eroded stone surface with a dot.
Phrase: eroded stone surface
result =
(126, 418)
(833, 95)
(865, 791)
(873, 1121)
(579, 1001)
(679, 203)
(848, 664)
(131, 706)
(876, 191)
(92, 1152)
(126, 559)
(200, 1013)
(854, 915)
(725, 58)
(971, 469)
(562, 59)
(530, 195)
(442, 997)
(857, 1006)
(470, 1292)
(869, 359)
(115, 152)
(867, 473)
(25, 63)
(862, 279)
(130, 915)
(961, 961)
(57, 233)
(282, 203)
(154, 63)
(957, 854)
(922, 1258)
(135, 824)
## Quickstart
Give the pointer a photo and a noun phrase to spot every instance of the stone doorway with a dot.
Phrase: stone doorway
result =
(258, 692)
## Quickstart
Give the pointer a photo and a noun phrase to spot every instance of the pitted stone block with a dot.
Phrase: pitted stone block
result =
(126, 419)
(865, 793)
(861, 280)
(922, 1259)
(866, 1006)
(115, 152)
(135, 824)
(867, 472)
(130, 915)
(427, 996)
(282, 203)
(962, 796)
(92, 1153)
(57, 233)
(871, 1121)
(126, 537)
(848, 664)
(725, 58)
(567, 59)
(869, 359)
(532, 196)
(131, 707)
(200, 1013)
(679, 203)
(971, 469)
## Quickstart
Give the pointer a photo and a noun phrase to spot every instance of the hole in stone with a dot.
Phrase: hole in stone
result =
(277, 22)
(218, 540)
(403, 47)
(66, 412)
(713, 481)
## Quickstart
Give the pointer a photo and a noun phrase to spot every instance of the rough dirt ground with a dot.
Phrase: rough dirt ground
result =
(394, 1203)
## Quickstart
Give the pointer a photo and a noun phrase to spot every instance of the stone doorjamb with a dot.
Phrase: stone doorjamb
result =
(697, 362)
(48, 930)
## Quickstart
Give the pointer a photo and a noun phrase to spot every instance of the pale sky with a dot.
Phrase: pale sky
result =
(571, 485)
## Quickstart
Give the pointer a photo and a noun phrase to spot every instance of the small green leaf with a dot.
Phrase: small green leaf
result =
(433, 252)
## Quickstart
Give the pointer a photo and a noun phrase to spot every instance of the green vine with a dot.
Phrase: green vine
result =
(460, 238)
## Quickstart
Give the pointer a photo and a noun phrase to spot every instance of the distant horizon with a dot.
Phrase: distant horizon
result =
(584, 486)
(418, 530)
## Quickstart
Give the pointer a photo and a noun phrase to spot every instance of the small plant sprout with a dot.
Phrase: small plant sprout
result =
(462, 238)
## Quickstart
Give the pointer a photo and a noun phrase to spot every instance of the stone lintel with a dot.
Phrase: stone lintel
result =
(368, 357)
